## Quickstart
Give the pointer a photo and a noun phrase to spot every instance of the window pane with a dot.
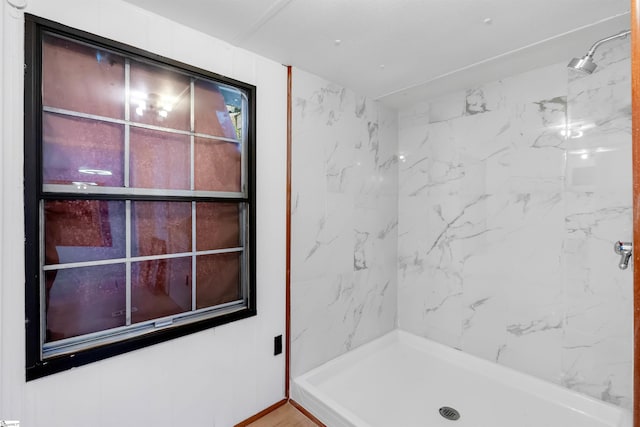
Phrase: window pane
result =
(159, 160)
(161, 228)
(160, 97)
(81, 151)
(160, 288)
(82, 78)
(218, 279)
(217, 226)
(212, 115)
(83, 230)
(217, 165)
(84, 300)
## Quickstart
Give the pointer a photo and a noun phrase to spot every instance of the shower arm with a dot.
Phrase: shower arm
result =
(604, 40)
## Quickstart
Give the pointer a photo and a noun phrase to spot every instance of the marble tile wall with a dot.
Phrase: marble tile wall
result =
(511, 195)
(344, 221)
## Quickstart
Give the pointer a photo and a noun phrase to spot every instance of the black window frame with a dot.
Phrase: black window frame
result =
(36, 365)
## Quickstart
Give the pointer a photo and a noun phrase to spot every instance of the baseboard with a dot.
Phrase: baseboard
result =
(262, 413)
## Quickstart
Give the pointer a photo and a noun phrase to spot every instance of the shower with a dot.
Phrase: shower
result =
(586, 64)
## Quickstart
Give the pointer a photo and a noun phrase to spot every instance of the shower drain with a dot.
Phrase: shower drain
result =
(449, 413)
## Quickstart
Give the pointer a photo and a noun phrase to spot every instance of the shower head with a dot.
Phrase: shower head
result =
(586, 64)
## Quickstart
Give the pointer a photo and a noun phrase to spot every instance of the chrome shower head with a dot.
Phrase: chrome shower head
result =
(584, 64)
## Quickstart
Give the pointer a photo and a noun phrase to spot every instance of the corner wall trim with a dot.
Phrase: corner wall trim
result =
(306, 413)
(635, 116)
(287, 356)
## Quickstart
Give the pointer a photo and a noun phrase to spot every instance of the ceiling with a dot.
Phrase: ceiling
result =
(402, 51)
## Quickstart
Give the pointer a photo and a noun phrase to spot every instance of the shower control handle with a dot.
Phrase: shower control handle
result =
(624, 249)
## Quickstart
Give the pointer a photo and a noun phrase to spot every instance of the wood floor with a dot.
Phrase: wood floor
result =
(284, 416)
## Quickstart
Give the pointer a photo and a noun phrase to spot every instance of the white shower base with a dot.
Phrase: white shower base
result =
(401, 380)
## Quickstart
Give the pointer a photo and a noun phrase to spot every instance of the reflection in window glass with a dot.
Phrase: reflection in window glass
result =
(218, 279)
(160, 97)
(233, 98)
(217, 226)
(159, 159)
(84, 300)
(137, 197)
(161, 228)
(217, 165)
(83, 230)
(160, 288)
(212, 115)
(82, 151)
(81, 78)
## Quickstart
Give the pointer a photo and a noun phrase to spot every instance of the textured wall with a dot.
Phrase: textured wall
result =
(344, 221)
(510, 198)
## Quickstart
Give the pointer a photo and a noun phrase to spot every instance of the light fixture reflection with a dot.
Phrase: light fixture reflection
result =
(575, 129)
(81, 185)
(90, 171)
(140, 100)
(586, 154)
(162, 104)
(572, 133)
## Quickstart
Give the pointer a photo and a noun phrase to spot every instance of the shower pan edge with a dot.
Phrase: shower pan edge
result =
(403, 379)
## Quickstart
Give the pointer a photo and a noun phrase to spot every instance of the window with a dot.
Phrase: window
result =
(139, 198)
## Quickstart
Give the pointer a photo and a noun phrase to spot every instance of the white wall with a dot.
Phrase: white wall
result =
(344, 221)
(506, 228)
(213, 378)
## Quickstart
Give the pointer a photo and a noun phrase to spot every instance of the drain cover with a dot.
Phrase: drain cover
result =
(449, 413)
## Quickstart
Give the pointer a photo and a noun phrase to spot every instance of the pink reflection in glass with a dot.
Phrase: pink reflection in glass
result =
(82, 78)
(160, 97)
(84, 300)
(77, 151)
(161, 228)
(83, 230)
(217, 165)
(217, 226)
(160, 288)
(218, 279)
(159, 160)
(211, 115)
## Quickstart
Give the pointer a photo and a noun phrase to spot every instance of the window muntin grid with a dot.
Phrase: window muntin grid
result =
(129, 189)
